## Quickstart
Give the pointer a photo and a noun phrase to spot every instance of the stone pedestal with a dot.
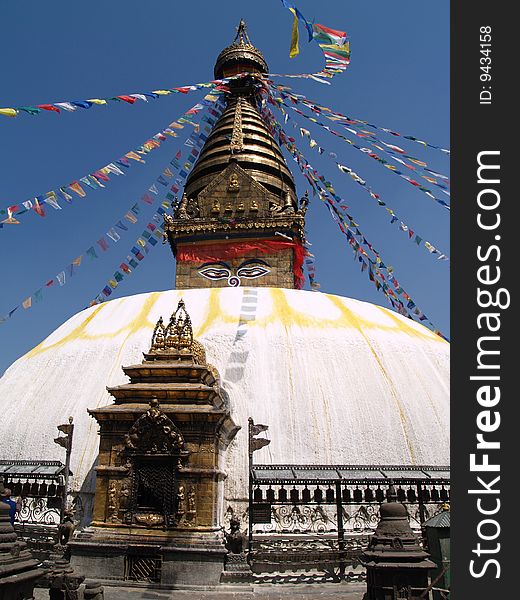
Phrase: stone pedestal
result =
(237, 569)
(157, 510)
(169, 560)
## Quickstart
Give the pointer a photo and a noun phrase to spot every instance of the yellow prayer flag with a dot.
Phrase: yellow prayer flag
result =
(27, 303)
(77, 261)
(75, 187)
(161, 92)
(134, 156)
(8, 112)
(11, 221)
(97, 101)
(294, 51)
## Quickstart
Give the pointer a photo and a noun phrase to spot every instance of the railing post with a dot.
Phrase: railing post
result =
(422, 514)
(341, 531)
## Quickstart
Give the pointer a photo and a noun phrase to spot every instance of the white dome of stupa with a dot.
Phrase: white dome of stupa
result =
(338, 381)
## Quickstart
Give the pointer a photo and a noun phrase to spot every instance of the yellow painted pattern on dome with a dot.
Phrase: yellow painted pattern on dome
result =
(80, 332)
(282, 312)
(213, 313)
(410, 329)
(386, 376)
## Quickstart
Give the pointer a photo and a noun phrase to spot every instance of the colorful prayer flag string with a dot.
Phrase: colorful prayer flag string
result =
(374, 156)
(336, 116)
(411, 233)
(145, 242)
(99, 178)
(348, 225)
(73, 105)
(148, 237)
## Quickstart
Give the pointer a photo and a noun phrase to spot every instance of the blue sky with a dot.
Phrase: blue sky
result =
(398, 78)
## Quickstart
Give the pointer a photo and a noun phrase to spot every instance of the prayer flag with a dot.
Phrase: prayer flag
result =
(113, 235)
(134, 156)
(8, 112)
(121, 225)
(65, 105)
(75, 187)
(82, 103)
(49, 107)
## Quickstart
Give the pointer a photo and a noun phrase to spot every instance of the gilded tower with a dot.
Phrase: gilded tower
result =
(239, 221)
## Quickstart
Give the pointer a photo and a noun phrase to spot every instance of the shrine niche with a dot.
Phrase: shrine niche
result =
(153, 453)
(159, 475)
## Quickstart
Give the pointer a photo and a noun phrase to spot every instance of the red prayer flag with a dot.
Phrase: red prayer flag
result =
(49, 107)
(128, 99)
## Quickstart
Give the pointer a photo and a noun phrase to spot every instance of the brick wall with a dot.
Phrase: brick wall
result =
(280, 263)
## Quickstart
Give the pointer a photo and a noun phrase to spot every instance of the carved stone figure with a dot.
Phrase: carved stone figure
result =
(66, 527)
(181, 502)
(124, 497)
(182, 212)
(235, 538)
(191, 501)
(113, 504)
(154, 433)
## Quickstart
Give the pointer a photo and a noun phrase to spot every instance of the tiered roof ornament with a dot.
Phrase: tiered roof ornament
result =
(240, 52)
(177, 336)
(177, 339)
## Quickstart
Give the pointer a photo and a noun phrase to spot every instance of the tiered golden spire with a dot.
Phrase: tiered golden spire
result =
(177, 336)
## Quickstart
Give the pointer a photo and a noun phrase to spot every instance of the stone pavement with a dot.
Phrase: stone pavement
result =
(325, 591)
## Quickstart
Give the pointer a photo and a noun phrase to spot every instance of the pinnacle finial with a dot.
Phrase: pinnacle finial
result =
(241, 35)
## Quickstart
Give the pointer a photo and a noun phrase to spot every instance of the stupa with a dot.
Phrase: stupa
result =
(338, 381)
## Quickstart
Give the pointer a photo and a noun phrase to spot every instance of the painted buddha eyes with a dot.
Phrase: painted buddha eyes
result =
(215, 273)
(252, 272)
(249, 269)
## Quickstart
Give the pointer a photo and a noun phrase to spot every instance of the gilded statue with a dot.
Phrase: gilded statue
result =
(233, 184)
